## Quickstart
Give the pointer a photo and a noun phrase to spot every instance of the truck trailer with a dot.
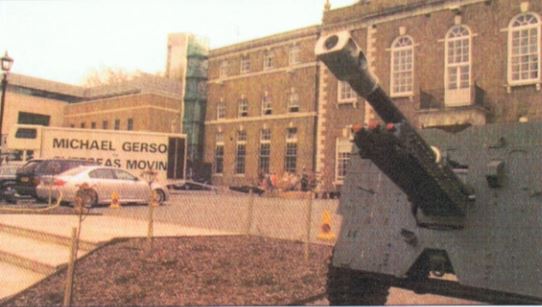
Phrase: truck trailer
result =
(135, 151)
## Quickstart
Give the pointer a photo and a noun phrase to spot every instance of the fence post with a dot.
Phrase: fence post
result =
(71, 270)
(150, 226)
(149, 176)
(250, 214)
(308, 226)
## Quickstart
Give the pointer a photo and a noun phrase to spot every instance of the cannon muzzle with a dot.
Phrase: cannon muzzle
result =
(346, 61)
(398, 151)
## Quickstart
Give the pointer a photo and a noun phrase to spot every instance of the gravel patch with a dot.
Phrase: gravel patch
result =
(224, 270)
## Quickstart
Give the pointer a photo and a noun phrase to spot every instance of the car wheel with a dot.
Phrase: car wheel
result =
(160, 196)
(8, 194)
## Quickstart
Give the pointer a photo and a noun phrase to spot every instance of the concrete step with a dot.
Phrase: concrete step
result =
(14, 279)
(32, 254)
(26, 264)
(45, 237)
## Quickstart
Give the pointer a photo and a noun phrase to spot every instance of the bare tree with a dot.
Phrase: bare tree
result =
(109, 76)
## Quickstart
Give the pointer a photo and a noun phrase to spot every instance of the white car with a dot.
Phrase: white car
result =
(104, 182)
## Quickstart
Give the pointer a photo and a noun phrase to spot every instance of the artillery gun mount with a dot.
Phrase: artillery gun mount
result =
(418, 205)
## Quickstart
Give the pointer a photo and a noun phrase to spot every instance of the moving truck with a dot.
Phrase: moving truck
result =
(135, 151)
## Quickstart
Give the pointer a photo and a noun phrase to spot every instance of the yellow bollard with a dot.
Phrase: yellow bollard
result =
(325, 229)
(115, 204)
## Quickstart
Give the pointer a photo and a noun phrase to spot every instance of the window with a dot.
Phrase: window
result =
(293, 101)
(245, 64)
(33, 119)
(243, 107)
(265, 151)
(224, 66)
(241, 152)
(290, 158)
(268, 58)
(130, 124)
(105, 124)
(117, 124)
(402, 66)
(82, 125)
(524, 49)
(102, 173)
(345, 93)
(26, 133)
(219, 153)
(342, 157)
(93, 125)
(267, 108)
(458, 58)
(293, 55)
(124, 175)
(221, 110)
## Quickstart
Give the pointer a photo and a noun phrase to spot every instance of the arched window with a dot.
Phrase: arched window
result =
(457, 78)
(458, 60)
(524, 49)
(402, 66)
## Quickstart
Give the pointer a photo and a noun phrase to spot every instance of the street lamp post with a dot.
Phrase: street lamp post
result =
(6, 63)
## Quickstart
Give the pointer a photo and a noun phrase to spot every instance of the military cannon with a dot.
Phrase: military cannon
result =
(451, 214)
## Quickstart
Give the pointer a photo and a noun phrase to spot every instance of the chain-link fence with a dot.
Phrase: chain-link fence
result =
(275, 211)
(283, 216)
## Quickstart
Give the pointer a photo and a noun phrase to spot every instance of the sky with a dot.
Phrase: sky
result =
(63, 40)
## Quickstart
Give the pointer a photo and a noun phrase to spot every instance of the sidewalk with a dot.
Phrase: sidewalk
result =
(102, 228)
(43, 250)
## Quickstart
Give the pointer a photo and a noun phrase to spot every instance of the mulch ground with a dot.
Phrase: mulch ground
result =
(223, 270)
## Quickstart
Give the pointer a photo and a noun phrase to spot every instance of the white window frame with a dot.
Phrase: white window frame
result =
(343, 151)
(241, 142)
(293, 101)
(291, 139)
(454, 42)
(265, 141)
(219, 142)
(267, 105)
(243, 107)
(512, 29)
(268, 60)
(345, 93)
(294, 55)
(223, 70)
(245, 64)
(398, 49)
(221, 110)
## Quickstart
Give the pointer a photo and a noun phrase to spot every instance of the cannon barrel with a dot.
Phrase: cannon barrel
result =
(397, 150)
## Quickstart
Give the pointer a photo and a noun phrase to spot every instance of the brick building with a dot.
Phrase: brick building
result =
(146, 102)
(261, 110)
(270, 107)
(447, 64)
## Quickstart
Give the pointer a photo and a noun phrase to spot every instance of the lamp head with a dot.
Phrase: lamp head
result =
(6, 62)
